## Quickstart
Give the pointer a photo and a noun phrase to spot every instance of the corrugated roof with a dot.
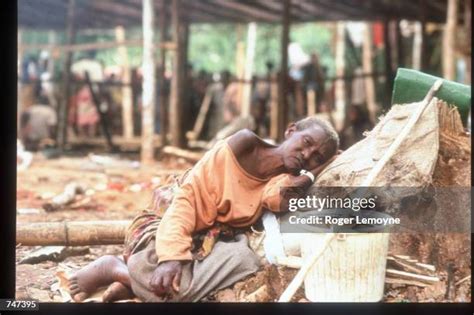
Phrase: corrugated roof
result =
(90, 14)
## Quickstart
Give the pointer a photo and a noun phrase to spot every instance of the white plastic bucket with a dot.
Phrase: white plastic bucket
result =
(352, 268)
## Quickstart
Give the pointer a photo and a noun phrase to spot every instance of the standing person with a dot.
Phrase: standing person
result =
(358, 122)
(314, 81)
(83, 110)
(229, 187)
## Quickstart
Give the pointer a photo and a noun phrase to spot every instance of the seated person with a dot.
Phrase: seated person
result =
(37, 124)
(230, 186)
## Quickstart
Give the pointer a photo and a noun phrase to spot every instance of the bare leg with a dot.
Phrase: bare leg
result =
(101, 272)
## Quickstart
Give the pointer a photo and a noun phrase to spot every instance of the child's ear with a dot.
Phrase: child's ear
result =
(289, 130)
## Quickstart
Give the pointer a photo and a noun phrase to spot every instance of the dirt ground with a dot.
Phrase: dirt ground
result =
(117, 192)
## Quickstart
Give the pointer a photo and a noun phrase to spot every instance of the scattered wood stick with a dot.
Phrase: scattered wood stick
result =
(186, 154)
(408, 275)
(405, 281)
(462, 280)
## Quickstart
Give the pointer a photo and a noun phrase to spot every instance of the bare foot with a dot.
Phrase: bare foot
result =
(117, 291)
(99, 273)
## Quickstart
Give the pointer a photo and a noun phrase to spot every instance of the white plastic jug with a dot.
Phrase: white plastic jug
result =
(352, 268)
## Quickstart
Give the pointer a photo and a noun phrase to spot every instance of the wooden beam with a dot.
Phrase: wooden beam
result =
(94, 46)
(283, 78)
(64, 106)
(248, 10)
(218, 12)
(149, 84)
(177, 81)
(449, 58)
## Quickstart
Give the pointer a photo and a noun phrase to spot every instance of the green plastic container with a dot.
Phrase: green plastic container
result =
(411, 86)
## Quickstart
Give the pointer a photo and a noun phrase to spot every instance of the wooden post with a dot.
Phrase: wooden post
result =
(388, 64)
(340, 97)
(20, 75)
(400, 61)
(248, 70)
(282, 115)
(177, 81)
(149, 84)
(64, 106)
(468, 28)
(161, 76)
(127, 105)
(240, 60)
(274, 112)
(367, 68)
(417, 46)
(449, 60)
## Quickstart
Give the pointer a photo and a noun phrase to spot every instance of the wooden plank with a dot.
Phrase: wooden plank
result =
(64, 106)
(149, 84)
(127, 104)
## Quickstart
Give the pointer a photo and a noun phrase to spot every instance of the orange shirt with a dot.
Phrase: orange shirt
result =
(217, 189)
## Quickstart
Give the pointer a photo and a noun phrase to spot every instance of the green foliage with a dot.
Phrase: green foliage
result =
(212, 47)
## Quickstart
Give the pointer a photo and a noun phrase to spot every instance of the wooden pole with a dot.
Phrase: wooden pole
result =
(240, 60)
(468, 28)
(449, 66)
(64, 106)
(367, 68)
(71, 233)
(340, 97)
(388, 65)
(177, 81)
(274, 111)
(149, 84)
(127, 104)
(249, 58)
(20, 75)
(161, 76)
(283, 77)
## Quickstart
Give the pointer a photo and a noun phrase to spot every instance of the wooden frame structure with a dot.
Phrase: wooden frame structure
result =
(109, 14)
